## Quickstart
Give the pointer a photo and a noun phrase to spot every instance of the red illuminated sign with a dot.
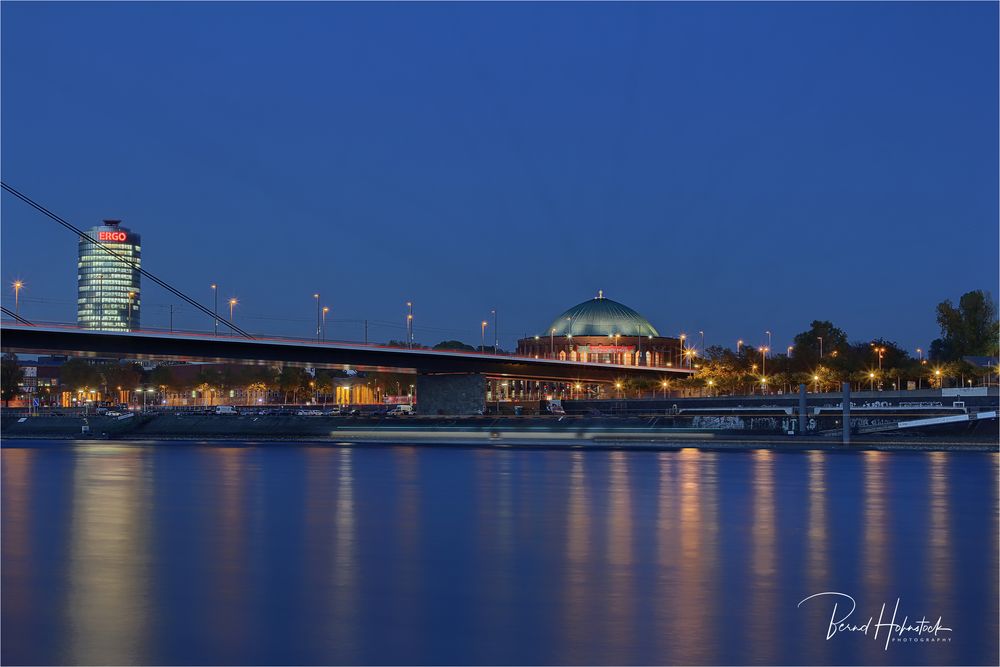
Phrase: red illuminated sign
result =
(111, 236)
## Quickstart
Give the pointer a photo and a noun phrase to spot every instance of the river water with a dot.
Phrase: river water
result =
(118, 553)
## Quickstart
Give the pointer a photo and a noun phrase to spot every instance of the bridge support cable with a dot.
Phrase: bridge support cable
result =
(17, 317)
(143, 272)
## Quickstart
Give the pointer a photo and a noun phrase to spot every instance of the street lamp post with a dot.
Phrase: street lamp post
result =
(319, 330)
(496, 332)
(131, 295)
(482, 344)
(763, 363)
(702, 340)
(739, 346)
(871, 382)
(552, 343)
(215, 294)
(409, 324)
(326, 309)
(815, 384)
(18, 285)
(680, 357)
(232, 304)
(768, 342)
(820, 338)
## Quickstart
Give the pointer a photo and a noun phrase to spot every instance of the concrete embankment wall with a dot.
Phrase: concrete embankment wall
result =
(926, 397)
(429, 429)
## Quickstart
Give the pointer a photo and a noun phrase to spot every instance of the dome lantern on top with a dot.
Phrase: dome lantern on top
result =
(601, 316)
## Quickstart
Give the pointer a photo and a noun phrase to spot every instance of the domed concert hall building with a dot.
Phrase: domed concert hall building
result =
(603, 331)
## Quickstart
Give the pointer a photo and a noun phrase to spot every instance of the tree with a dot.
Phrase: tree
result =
(969, 329)
(77, 374)
(11, 376)
(292, 380)
(453, 345)
(806, 348)
(118, 376)
(163, 377)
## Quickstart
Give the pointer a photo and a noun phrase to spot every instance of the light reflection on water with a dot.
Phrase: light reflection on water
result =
(184, 554)
(108, 601)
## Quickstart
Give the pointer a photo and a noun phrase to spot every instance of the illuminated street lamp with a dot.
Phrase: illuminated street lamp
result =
(937, 373)
(920, 355)
(710, 383)
(815, 384)
(739, 345)
(131, 295)
(880, 351)
(618, 386)
(664, 384)
(789, 350)
(552, 343)
(871, 381)
(232, 304)
(763, 362)
(482, 344)
(680, 359)
(326, 309)
(768, 342)
(409, 324)
(18, 286)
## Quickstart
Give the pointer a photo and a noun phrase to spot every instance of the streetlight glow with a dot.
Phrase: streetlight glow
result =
(18, 285)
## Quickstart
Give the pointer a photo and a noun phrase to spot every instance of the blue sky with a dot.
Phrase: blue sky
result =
(730, 168)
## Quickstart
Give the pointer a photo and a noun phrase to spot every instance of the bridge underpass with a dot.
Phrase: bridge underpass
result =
(450, 382)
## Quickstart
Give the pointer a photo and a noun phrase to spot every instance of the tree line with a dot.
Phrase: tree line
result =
(821, 357)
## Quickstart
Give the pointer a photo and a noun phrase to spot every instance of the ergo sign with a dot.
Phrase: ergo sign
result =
(111, 236)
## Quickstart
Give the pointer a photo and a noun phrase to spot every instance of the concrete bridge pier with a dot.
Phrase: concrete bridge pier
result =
(451, 394)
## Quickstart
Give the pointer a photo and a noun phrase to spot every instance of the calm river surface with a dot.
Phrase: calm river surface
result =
(182, 553)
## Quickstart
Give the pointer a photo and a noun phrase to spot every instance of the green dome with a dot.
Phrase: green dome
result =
(601, 317)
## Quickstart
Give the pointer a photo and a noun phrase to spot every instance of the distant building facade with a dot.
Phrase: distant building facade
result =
(603, 331)
(108, 289)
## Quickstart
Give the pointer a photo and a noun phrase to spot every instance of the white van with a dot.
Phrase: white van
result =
(225, 410)
(401, 410)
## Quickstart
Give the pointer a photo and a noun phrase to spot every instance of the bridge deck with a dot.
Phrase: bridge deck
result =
(152, 345)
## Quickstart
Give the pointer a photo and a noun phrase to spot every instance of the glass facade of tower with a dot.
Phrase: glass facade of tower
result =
(108, 293)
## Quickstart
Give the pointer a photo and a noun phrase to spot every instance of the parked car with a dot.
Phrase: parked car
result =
(343, 411)
(308, 413)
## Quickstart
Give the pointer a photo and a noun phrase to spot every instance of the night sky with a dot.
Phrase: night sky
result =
(729, 168)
